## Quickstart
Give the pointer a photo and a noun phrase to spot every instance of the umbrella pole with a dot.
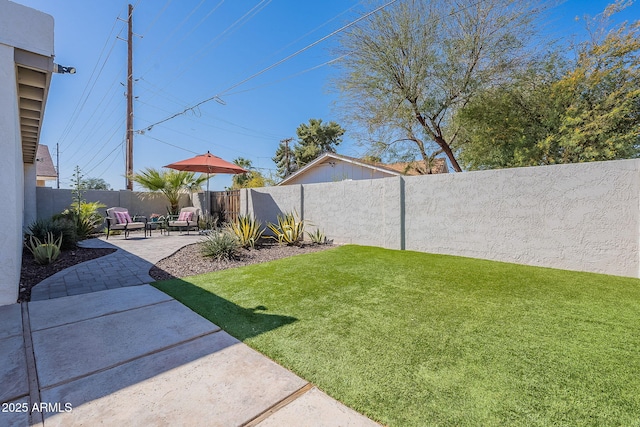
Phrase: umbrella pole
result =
(208, 203)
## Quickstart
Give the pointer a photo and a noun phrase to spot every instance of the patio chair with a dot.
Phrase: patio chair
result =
(119, 219)
(187, 220)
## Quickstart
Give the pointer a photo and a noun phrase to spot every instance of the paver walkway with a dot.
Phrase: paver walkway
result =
(128, 266)
(135, 356)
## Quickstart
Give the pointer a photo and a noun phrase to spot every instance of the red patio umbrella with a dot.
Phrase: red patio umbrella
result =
(207, 163)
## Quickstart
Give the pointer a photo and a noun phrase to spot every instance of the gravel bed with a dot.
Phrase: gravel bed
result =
(188, 261)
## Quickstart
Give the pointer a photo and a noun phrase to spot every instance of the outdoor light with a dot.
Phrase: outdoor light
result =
(57, 68)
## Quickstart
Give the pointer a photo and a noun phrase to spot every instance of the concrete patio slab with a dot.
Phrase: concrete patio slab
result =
(135, 356)
(315, 408)
(214, 380)
(13, 369)
(16, 414)
(10, 320)
(76, 349)
(48, 314)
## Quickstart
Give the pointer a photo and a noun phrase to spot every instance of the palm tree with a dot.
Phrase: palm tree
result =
(171, 183)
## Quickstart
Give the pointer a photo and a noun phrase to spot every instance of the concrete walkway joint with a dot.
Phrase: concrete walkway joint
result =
(85, 351)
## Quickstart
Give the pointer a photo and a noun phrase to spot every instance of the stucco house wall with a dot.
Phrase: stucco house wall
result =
(337, 170)
(11, 173)
(31, 31)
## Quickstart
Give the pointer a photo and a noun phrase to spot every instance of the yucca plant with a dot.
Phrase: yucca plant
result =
(317, 237)
(289, 229)
(247, 229)
(45, 252)
(220, 246)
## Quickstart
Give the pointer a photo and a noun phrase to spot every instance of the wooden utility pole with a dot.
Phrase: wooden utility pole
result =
(129, 160)
(57, 165)
(286, 156)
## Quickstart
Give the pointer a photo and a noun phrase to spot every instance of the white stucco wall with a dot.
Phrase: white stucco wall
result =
(26, 28)
(335, 170)
(11, 176)
(582, 217)
(30, 198)
(29, 30)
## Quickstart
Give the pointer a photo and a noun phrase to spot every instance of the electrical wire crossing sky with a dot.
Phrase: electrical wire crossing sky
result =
(230, 77)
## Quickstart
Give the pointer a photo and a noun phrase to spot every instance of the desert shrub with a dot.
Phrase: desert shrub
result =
(289, 229)
(247, 229)
(46, 251)
(57, 227)
(207, 221)
(317, 237)
(85, 217)
(220, 246)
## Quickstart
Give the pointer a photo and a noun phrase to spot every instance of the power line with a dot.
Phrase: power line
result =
(169, 51)
(217, 96)
(105, 157)
(230, 29)
(172, 145)
(87, 90)
(289, 76)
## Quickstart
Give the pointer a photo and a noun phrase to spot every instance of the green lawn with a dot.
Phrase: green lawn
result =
(414, 339)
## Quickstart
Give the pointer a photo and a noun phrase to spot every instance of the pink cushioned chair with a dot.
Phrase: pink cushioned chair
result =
(119, 219)
(187, 220)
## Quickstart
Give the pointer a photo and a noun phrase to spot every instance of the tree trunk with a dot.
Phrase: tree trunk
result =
(447, 150)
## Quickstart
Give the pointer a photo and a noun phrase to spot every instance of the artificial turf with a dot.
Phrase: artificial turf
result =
(415, 339)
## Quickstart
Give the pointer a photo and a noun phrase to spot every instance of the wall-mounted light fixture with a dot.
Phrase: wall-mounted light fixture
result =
(57, 68)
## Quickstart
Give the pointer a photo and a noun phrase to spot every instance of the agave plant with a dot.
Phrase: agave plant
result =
(289, 229)
(317, 237)
(247, 229)
(221, 246)
(47, 251)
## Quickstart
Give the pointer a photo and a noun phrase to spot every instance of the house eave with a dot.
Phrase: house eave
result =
(33, 77)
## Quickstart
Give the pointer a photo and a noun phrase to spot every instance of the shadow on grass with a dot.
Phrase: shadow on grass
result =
(242, 323)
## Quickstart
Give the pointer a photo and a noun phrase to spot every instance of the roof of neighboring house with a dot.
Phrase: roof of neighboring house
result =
(44, 164)
(403, 168)
(419, 167)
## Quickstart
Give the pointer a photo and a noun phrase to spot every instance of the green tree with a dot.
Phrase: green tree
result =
(503, 125)
(251, 179)
(586, 110)
(96, 184)
(602, 121)
(170, 183)
(412, 65)
(284, 159)
(314, 139)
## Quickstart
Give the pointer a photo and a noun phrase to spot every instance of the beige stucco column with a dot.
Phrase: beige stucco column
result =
(26, 62)
(11, 177)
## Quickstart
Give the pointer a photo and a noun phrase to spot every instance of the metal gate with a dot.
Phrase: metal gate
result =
(225, 205)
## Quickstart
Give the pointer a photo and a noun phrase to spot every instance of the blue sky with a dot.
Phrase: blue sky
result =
(191, 50)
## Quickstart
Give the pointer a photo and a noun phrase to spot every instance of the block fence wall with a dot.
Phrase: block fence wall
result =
(583, 217)
(51, 201)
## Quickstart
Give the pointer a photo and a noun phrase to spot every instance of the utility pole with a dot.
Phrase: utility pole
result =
(130, 100)
(286, 156)
(57, 165)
